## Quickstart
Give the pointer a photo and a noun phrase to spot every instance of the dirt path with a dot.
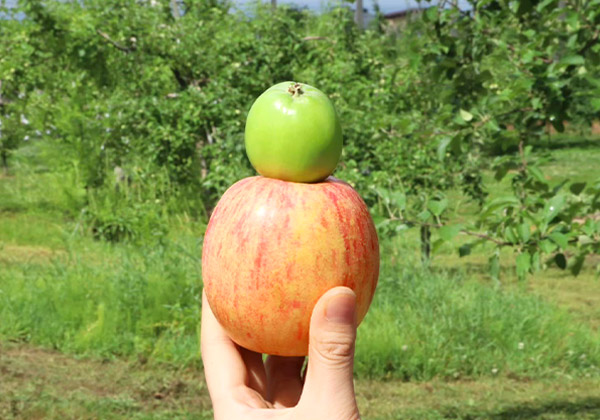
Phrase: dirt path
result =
(42, 384)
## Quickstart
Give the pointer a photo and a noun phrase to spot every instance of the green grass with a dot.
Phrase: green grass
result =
(95, 298)
(62, 289)
(427, 325)
(143, 302)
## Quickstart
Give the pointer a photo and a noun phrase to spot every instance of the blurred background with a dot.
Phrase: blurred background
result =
(470, 129)
(386, 6)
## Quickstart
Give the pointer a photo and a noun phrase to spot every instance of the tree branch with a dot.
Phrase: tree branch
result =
(591, 42)
(522, 154)
(462, 231)
(315, 38)
(486, 237)
(114, 43)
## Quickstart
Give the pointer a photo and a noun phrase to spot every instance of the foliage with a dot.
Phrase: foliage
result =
(132, 87)
(489, 81)
(139, 299)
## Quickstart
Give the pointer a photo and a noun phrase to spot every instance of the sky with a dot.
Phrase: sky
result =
(386, 6)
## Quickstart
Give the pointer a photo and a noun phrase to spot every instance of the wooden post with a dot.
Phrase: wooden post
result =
(358, 14)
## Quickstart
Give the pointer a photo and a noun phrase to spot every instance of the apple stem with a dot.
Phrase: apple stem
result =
(296, 89)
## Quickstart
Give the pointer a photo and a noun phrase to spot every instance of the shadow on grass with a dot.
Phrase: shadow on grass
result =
(480, 270)
(555, 142)
(588, 408)
(567, 142)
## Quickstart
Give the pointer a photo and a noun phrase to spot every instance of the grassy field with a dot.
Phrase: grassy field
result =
(44, 384)
(90, 329)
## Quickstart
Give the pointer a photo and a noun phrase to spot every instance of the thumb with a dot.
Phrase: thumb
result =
(329, 376)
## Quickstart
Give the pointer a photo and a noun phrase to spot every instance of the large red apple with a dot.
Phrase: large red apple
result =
(272, 248)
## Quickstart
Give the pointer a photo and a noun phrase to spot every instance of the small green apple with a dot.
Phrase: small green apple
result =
(293, 133)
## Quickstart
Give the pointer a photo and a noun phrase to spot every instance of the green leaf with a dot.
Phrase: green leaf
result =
(589, 227)
(573, 21)
(572, 60)
(442, 146)
(560, 239)
(431, 14)
(500, 202)
(399, 199)
(547, 246)
(585, 240)
(424, 216)
(525, 6)
(465, 115)
(456, 143)
(384, 194)
(577, 187)
(464, 250)
(510, 235)
(544, 4)
(405, 125)
(537, 174)
(436, 246)
(524, 231)
(553, 207)
(380, 222)
(578, 264)
(437, 207)
(558, 125)
(400, 227)
(560, 261)
(528, 58)
(493, 125)
(502, 169)
(447, 233)
(523, 264)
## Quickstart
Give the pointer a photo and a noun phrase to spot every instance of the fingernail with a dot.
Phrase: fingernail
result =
(341, 308)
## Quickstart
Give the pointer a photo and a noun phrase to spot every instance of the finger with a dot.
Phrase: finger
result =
(257, 376)
(284, 380)
(224, 366)
(329, 378)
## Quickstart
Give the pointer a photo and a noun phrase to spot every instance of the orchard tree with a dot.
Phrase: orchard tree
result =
(490, 81)
(164, 96)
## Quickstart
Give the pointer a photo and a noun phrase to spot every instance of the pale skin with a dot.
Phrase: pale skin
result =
(243, 387)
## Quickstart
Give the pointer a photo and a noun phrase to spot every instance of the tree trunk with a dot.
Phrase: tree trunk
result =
(358, 15)
(425, 243)
(175, 9)
(273, 4)
(4, 161)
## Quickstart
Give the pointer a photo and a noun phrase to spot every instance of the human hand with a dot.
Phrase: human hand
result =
(242, 387)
